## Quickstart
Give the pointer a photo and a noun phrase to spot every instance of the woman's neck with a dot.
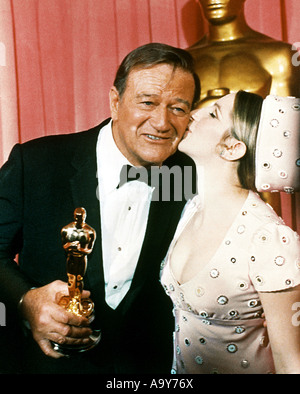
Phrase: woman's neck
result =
(219, 185)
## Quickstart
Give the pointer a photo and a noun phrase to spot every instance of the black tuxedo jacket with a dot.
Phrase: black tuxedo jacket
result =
(41, 184)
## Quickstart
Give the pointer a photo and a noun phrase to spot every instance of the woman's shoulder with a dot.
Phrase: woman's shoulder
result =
(261, 212)
(266, 224)
(274, 250)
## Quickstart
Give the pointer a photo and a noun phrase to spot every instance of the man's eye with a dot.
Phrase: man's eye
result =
(147, 103)
(178, 111)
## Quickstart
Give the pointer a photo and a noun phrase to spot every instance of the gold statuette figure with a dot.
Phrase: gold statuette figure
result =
(233, 56)
(78, 239)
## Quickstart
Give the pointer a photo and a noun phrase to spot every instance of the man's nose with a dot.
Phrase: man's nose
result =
(160, 119)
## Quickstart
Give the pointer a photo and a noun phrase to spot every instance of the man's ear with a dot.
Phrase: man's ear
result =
(114, 99)
(233, 149)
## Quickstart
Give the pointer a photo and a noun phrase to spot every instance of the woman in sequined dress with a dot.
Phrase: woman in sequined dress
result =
(232, 258)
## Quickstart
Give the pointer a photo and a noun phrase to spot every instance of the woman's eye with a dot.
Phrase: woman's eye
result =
(213, 114)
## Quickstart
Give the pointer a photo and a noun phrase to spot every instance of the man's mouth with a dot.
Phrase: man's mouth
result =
(155, 138)
(152, 137)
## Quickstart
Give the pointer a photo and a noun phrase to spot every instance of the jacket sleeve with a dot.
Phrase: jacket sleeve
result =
(13, 284)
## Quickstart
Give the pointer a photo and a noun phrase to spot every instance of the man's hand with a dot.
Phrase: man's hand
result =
(50, 322)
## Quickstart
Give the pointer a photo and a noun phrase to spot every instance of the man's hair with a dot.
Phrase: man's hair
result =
(246, 117)
(152, 54)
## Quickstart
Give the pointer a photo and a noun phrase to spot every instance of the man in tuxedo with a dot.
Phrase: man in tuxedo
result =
(42, 183)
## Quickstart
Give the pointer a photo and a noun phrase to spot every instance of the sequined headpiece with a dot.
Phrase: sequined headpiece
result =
(277, 147)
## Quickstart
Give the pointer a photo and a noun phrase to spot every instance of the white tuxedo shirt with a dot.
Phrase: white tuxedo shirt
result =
(124, 213)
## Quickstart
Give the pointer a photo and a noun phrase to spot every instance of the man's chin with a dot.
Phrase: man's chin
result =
(157, 158)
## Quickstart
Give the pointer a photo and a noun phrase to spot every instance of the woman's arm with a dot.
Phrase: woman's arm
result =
(283, 323)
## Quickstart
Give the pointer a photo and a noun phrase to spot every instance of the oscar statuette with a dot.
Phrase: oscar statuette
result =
(78, 239)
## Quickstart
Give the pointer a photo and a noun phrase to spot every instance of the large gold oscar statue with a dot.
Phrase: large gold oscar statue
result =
(232, 56)
(78, 240)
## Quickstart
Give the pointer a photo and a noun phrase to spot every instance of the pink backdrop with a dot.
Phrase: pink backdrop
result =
(58, 58)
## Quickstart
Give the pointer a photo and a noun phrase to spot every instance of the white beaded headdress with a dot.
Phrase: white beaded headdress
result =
(277, 147)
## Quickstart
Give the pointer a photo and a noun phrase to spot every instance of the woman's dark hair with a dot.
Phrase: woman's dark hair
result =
(152, 54)
(246, 117)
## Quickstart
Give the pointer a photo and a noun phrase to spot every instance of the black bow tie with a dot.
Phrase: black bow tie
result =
(129, 173)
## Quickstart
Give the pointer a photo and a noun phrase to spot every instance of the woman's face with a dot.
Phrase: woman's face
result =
(207, 128)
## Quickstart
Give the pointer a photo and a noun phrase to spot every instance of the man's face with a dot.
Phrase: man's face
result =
(153, 113)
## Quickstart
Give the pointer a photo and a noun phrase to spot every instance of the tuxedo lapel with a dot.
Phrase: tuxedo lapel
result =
(163, 217)
(162, 221)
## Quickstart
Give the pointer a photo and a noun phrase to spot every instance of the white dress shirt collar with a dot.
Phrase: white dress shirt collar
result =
(111, 161)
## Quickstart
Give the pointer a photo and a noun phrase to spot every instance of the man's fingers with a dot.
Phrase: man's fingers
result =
(64, 334)
(60, 340)
(86, 293)
(48, 350)
(51, 322)
(60, 315)
(66, 330)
